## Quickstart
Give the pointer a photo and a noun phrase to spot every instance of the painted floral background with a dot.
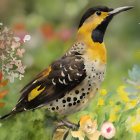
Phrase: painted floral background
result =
(35, 33)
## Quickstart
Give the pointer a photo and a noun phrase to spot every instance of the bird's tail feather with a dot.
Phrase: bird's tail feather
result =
(13, 112)
(19, 108)
(7, 115)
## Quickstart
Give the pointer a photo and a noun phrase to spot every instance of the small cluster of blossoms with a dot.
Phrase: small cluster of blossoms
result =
(11, 54)
(89, 129)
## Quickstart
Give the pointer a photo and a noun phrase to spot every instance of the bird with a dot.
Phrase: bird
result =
(69, 84)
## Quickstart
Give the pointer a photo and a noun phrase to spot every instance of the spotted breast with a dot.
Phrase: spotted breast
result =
(79, 97)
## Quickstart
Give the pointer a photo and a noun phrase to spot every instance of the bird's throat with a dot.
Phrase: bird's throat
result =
(94, 42)
(96, 51)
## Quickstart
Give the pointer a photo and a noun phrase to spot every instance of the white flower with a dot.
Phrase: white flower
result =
(26, 38)
(12, 76)
(108, 130)
(21, 76)
(21, 69)
(8, 66)
(17, 39)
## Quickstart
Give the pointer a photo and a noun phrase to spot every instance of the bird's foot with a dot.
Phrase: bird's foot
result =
(70, 125)
(66, 123)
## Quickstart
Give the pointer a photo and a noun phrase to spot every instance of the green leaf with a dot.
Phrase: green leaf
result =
(130, 89)
(108, 95)
(127, 113)
(66, 135)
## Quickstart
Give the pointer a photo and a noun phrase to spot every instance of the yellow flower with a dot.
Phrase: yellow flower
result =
(112, 103)
(84, 120)
(138, 86)
(127, 107)
(136, 127)
(78, 134)
(133, 102)
(101, 101)
(87, 128)
(121, 89)
(112, 117)
(95, 136)
(116, 109)
(138, 111)
(103, 92)
(125, 98)
(133, 119)
(123, 94)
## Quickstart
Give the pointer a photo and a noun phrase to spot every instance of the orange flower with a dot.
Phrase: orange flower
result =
(4, 92)
(87, 128)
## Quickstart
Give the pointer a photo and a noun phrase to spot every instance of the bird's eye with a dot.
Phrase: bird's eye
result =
(98, 13)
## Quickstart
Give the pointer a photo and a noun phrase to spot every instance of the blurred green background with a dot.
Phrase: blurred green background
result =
(53, 26)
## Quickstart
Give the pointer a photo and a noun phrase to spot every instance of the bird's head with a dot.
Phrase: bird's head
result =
(96, 19)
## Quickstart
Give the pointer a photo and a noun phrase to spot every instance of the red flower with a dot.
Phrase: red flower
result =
(4, 92)
(47, 31)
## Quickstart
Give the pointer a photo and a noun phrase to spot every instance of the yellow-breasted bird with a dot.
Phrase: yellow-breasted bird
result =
(73, 80)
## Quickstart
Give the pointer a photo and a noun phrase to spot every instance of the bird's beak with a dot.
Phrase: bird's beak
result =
(120, 9)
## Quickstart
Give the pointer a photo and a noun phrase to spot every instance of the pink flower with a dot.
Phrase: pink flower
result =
(2, 45)
(20, 52)
(108, 130)
(21, 69)
(2, 57)
(11, 52)
(5, 30)
(15, 45)
(8, 66)
(65, 34)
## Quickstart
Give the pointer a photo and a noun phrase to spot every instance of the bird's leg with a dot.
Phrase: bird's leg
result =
(67, 124)
(60, 124)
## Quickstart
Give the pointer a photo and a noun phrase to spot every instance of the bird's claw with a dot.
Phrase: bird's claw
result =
(67, 124)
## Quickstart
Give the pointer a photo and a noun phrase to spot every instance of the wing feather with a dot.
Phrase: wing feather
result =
(65, 74)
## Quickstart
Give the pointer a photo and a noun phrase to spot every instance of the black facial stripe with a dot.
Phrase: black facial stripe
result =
(98, 33)
(91, 11)
(97, 36)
